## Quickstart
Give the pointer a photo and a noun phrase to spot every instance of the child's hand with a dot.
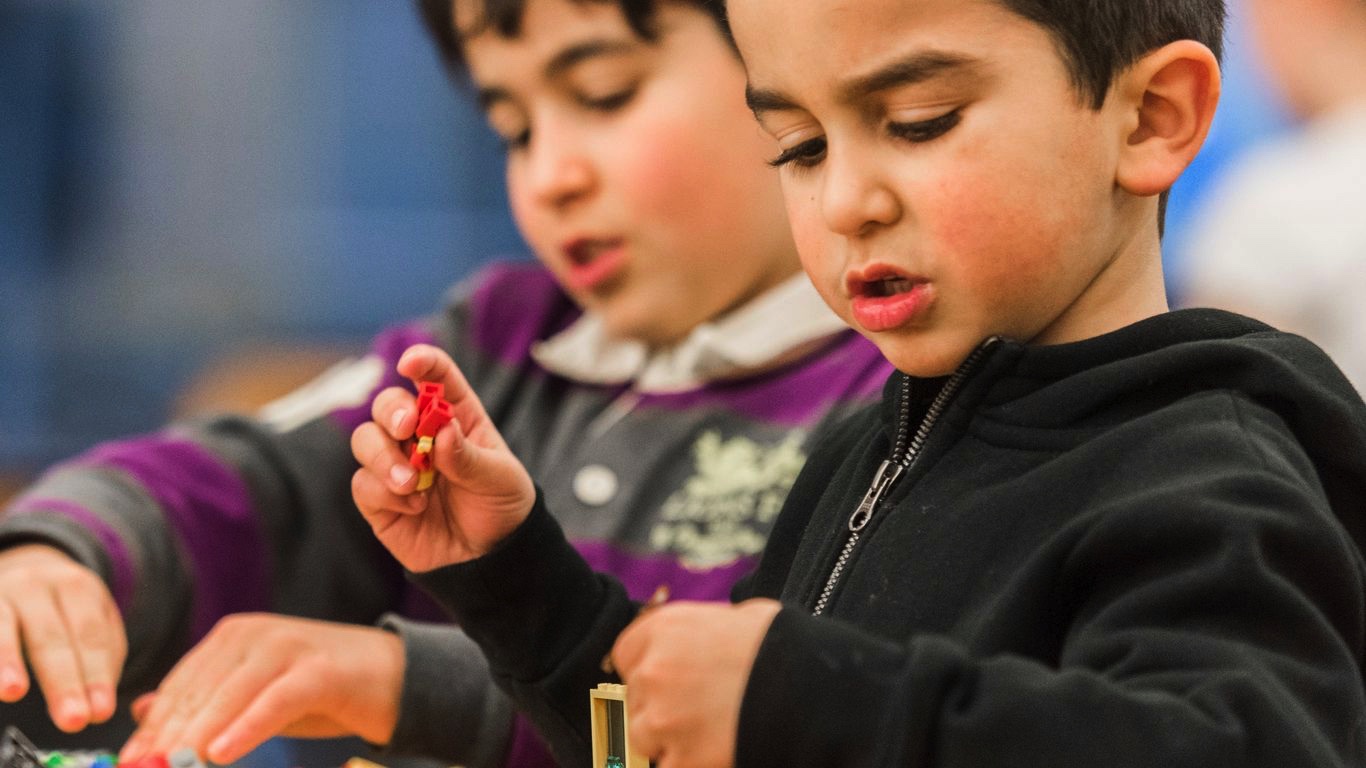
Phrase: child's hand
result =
(685, 666)
(482, 492)
(60, 617)
(255, 676)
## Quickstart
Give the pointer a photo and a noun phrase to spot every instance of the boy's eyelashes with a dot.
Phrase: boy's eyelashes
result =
(518, 139)
(925, 130)
(803, 155)
(810, 152)
(607, 103)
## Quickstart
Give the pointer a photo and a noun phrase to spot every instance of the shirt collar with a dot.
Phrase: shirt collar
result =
(770, 329)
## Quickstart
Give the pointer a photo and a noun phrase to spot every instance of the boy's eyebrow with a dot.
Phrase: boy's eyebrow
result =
(574, 54)
(915, 68)
(560, 63)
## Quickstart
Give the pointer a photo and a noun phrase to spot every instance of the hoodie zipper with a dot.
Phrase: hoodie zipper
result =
(903, 456)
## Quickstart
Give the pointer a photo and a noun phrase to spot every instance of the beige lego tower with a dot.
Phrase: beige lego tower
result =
(611, 744)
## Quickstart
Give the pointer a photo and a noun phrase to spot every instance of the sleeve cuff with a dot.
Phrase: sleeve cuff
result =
(528, 603)
(449, 707)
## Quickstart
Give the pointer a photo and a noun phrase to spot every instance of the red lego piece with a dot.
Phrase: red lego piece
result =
(433, 413)
(429, 392)
(436, 416)
(420, 460)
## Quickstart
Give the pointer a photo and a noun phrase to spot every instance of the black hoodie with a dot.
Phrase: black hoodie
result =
(1134, 550)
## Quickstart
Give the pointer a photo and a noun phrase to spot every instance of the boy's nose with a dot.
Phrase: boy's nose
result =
(559, 174)
(855, 197)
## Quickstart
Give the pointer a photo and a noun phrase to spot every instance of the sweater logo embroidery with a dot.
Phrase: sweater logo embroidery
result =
(726, 509)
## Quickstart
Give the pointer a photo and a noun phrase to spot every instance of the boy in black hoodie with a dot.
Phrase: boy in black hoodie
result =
(1080, 530)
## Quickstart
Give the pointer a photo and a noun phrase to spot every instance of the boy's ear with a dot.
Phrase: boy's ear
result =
(1169, 97)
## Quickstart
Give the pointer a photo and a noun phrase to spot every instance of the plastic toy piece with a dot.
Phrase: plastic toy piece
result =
(437, 415)
(360, 762)
(433, 413)
(421, 460)
(427, 392)
(186, 757)
(611, 742)
(16, 751)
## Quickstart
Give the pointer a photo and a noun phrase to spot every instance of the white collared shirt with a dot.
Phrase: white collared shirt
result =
(764, 332)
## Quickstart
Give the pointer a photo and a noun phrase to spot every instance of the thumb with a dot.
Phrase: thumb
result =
(485, 469)
(138, 709)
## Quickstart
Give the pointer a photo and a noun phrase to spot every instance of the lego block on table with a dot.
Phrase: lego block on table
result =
(611, 740)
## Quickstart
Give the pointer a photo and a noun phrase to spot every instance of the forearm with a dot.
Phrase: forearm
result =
(545, 622)
(450, 708)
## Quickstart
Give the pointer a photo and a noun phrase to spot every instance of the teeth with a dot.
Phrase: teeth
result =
(890, 286)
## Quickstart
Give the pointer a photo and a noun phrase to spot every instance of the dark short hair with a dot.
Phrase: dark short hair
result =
(505, 16)
(1099, 39)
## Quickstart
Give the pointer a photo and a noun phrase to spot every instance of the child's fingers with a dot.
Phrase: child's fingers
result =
(278, 704)
(13, 675)
(395, 411)
(142, 705)
(373, 497)
(382, 457)
(631, 645)
(423, 362)
(101, 646)
(55, 660)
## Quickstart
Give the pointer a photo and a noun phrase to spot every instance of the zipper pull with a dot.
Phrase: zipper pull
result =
(887, 474)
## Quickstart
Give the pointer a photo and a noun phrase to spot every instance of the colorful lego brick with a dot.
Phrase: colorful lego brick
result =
(16, 751)
(436, 416)
(419, 459)
(186, 757)
(433, 414)
(611, 742)
(429, 392)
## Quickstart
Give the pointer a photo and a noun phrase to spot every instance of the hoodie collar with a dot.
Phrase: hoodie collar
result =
(774, 327)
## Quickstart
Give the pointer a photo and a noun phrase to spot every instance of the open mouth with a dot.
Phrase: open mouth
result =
(584, 252)
(594, 262)
(882, 300)
(887, 286)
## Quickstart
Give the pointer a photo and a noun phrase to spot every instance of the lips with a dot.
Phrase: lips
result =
(593, 261)
(883, 299)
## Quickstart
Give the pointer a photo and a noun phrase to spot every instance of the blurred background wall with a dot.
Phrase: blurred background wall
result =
(183, 180)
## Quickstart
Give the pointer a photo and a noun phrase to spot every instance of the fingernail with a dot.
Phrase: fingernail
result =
(399, 416)
(73, 712)
(101, 702)
(401, 474)
(216, 750)
(11, 683)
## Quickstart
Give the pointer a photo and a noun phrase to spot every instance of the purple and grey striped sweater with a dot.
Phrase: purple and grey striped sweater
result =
(235, 514)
